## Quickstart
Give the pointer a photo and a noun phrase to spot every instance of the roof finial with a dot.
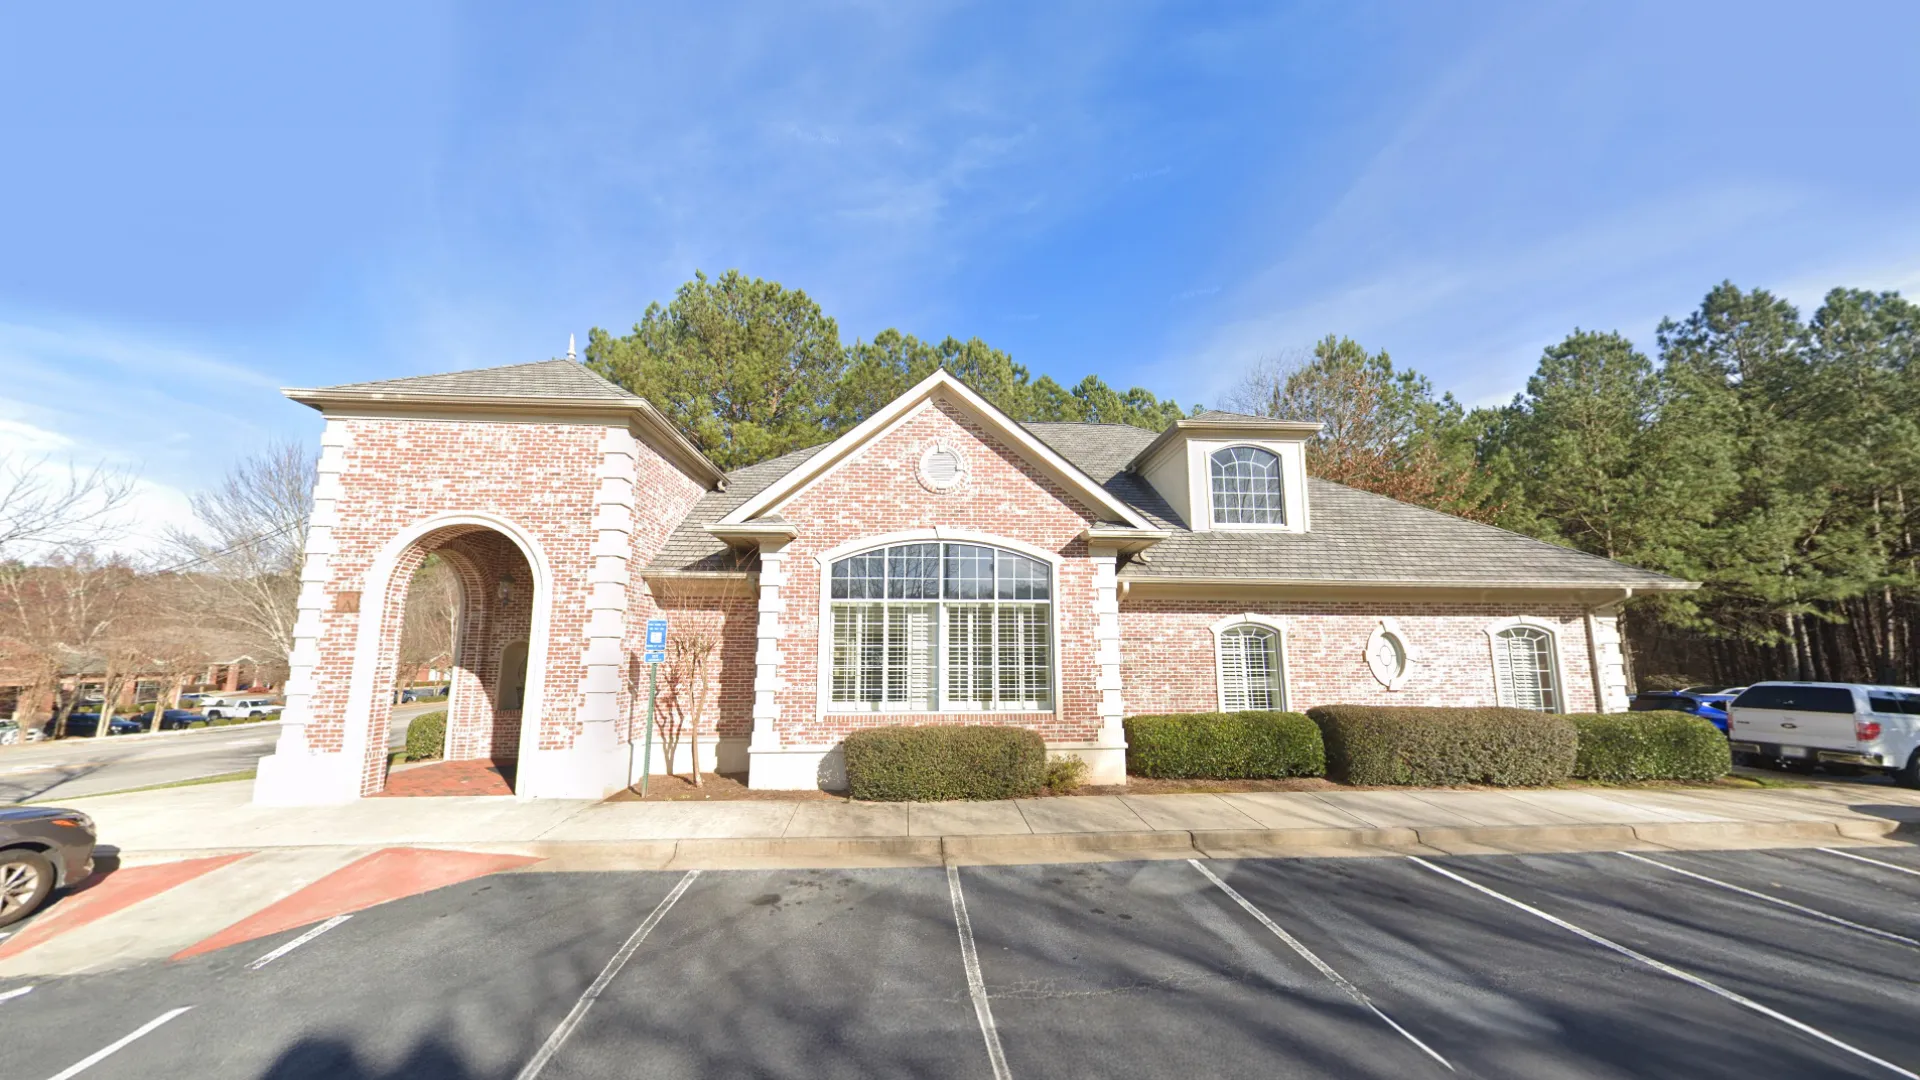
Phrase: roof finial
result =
(570, 355)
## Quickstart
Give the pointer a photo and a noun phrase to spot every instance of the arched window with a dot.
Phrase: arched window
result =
(939, 626)
(1525, 669)
(1246, 487)
(1250, 669)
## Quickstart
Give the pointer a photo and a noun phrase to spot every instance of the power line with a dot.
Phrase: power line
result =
(281, 531)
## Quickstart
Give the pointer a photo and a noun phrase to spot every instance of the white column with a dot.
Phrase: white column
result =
(1108, 763)
(766, 764)
(294, 774)
(1609, 662)
(607, 582)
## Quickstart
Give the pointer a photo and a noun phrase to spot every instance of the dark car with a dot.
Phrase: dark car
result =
(42, 848)
(1707, 702)
(170, 720)
(86, 723)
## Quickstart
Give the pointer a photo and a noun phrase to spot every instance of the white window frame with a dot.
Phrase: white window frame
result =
(1268, 622)
(1293, 485)
(1390, 627)
(1493, 631)
(823, 562)
(1280, 497)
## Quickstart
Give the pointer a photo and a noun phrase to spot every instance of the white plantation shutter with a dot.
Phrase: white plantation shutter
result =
(1250, 675)
(918, 629)
(1523, 669)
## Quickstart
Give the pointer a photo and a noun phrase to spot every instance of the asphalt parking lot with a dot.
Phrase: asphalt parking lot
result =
(1792, 963)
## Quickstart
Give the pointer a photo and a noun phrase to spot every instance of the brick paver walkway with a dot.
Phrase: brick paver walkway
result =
(478, 777)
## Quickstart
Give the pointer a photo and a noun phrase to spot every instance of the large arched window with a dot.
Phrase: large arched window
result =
(1525, 670)
(1250, 668)
(941, 626)
(1246, 487)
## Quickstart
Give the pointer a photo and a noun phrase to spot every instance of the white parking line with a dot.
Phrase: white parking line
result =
(297, 942)
(106, 1051)
(1771, 899)
(1875, 862)
(579, 1010)
(1668, 969)
(1320, 965)
(976, 981)
(14, 993)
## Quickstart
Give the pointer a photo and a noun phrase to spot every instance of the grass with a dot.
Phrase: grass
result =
(217, 778)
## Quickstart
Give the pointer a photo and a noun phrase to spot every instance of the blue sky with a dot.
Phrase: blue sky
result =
(200, 204)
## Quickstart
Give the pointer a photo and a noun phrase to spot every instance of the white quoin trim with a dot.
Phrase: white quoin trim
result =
(607, 581)
(1278, 625)
(764, 749)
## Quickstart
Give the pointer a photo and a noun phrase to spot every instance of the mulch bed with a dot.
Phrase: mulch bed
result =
(715, 787)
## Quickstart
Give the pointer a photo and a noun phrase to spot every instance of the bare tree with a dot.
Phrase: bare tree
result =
(67, 612)
(426, 634)
(689, 678)
(245, 559)
(42, 506)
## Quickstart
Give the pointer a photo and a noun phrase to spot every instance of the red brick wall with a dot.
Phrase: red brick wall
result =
(540, 476)
(1167, 652)
(879, 492)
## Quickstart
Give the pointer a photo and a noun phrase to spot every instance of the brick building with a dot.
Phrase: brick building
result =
(939, 563)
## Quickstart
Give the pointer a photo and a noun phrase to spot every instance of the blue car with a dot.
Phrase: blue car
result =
(1707, 702)
(170, 720)
(84, 724)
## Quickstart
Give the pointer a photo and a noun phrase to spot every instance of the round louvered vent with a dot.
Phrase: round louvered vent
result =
(942, 468)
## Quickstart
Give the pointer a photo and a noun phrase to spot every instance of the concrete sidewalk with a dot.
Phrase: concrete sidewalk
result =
(208, 819)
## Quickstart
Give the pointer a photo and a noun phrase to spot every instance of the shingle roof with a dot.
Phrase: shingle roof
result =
(1357, 536)
(691, 547)
(1222, 416)
(543, 378)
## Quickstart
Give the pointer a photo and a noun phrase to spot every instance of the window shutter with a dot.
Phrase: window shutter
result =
(919, 660)
(1233, 671)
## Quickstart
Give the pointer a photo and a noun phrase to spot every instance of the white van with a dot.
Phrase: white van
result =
(1803, 724)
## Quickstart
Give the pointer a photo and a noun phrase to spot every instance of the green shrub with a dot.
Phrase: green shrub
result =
(1065, 775)
(1381, 744)
(427, 735)
(196, 723)
(1667, 682)
(932, 763)
(1224, 746)
(1650, 746)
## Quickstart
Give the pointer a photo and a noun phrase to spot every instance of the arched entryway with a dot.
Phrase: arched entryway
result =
(498, 644)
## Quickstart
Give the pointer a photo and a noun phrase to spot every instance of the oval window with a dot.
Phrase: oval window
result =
(1388, 657)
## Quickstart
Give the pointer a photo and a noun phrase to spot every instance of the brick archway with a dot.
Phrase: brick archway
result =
(505, 597)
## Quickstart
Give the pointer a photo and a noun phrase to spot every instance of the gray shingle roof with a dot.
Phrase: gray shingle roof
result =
(1356, 536)
(1222, 416)
(691, 547)
(543, 378)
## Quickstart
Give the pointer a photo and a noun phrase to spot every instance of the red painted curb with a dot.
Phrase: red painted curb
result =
(389, 874)
(101, 896)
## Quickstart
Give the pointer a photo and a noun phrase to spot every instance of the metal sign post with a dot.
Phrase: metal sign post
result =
(655, 655)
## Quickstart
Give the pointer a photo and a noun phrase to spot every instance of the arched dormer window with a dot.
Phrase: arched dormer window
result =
(938, 626)
(1246, 487)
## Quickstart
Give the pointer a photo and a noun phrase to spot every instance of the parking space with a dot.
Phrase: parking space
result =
(1762, 964)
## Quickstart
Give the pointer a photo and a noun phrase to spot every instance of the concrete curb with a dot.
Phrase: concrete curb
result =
(721, 853)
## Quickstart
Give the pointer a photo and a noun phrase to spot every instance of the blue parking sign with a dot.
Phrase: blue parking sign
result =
(656, 652)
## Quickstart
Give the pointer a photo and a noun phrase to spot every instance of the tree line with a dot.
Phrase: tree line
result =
(1771, 457)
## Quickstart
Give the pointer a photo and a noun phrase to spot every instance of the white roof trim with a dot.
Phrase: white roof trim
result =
(938, 384)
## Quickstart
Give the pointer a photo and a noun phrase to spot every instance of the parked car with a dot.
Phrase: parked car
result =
(86, 723)
(9, 732)
(1704, 701)
(1846, 726)
(243, 709)
(42, 848)
(170, 719)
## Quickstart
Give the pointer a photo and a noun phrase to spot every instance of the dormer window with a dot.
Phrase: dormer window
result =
(1246, 487)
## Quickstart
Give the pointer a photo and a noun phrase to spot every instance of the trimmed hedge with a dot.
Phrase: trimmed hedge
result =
(1381, 744)
(427, 735)
(1224, 746)
(1650, 746)
(939, 762)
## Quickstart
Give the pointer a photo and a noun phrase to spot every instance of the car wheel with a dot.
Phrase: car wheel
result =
(1908, 775)
(26, 877)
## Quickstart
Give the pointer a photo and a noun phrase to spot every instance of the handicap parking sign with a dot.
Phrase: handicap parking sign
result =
(656, 641)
